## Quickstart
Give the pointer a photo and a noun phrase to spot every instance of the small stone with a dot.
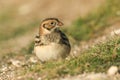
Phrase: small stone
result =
(115, 32)
(39, 78)
(4, 69)
(33, 60)
(112, 70)
(17, 63)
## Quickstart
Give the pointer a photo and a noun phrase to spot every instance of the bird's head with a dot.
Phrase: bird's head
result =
(49, 25)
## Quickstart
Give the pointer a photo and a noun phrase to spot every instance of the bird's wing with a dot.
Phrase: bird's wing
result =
(64, 39)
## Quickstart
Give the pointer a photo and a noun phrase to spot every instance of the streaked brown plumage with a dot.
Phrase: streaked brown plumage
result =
(51, 43)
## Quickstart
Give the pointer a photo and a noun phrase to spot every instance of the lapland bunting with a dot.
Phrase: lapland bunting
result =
(51, 43)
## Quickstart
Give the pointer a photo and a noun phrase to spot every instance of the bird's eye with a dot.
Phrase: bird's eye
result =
(53, 23)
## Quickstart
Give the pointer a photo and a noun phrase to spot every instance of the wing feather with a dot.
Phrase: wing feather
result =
(64, 39)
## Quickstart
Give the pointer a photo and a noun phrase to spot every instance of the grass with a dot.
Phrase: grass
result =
(91, 26)
(4, 18)
(97, 59)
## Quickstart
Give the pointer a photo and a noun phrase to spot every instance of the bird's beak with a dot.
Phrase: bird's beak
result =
(60, 23)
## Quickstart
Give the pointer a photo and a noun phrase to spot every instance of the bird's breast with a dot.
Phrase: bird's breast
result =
(51, 51)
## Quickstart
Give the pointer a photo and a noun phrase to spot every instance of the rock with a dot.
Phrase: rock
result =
(39, 78)
(17, 63)
(115, 32)
(3, 69)
(33, 59)
(112, 70)
(87, 76)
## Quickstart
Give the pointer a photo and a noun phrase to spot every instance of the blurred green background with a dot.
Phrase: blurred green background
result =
(83, 19)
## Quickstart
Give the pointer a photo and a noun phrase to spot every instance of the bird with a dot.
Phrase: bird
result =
(50, 42)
